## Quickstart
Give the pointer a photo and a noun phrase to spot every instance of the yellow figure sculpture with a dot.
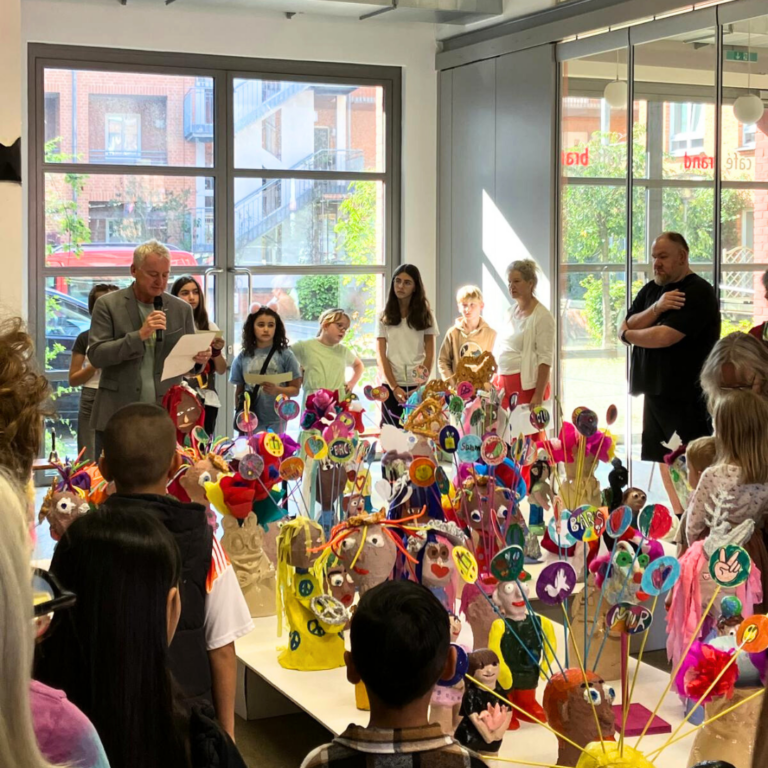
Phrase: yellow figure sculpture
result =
(315, 619)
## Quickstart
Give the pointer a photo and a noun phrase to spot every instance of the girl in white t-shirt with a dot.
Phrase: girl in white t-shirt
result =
(204, 383)
(405, 340)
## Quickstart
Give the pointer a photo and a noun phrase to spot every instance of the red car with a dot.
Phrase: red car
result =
(93, 256)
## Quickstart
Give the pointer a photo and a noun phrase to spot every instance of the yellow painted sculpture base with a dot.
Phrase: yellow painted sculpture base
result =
(595, 757)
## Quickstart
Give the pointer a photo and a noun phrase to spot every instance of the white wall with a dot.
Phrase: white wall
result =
(241, 32)
(12, 286)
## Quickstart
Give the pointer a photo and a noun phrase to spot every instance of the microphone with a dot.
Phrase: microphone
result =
(158, 303)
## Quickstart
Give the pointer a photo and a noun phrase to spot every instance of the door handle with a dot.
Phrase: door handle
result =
(210, 271)
(247, 272)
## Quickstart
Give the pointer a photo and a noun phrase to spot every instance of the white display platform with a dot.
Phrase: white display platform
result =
(265, 689)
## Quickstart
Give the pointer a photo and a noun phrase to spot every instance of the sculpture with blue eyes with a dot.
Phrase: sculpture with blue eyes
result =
(568, 699)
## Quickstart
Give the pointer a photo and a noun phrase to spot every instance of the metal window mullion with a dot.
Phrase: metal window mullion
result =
(628, 255)
(717, 256)
(315, 269)
(285, 173)
(575, 267)
(104, 169)
(746, 185)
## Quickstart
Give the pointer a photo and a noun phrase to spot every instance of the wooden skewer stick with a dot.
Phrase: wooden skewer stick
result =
(672, 677)
(707, 722)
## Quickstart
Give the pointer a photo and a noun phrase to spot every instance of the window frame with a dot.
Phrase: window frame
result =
(222, 70)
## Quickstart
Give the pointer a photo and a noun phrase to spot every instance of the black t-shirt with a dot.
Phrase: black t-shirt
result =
(80, 347)
(674, 371)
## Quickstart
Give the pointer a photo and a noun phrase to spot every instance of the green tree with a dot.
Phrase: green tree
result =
(357, 243)
(594, 220)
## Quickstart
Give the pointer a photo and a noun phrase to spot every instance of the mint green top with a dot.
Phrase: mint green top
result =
(324, 367)
(147, 394)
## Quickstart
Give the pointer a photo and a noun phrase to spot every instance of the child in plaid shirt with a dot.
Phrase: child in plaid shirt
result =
(400, 639)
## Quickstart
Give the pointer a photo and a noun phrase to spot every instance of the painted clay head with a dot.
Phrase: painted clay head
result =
(511, 598)
(484, 666)
(206, 470)
(369, 554)
(482, 498)
(569, 710)
(455, 623)
(635, 499)
(301, 536)
(437, 564)
(62, 508)
(331, 480)
(340, 584)
(185, 409)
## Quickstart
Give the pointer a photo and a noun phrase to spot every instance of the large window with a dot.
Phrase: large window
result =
(669, 172)
(276, 185)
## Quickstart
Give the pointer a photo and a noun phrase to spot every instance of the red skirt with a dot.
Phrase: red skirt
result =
(513, 383)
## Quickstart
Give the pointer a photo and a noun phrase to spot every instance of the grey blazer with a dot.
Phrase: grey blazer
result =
(115, 347)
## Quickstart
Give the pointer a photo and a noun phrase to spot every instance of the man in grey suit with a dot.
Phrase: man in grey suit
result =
(122, 340)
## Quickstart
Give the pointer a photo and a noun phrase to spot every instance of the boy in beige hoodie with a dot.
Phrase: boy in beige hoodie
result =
(470, 334)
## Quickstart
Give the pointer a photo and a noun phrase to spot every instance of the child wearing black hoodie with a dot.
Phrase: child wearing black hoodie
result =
(140, 456)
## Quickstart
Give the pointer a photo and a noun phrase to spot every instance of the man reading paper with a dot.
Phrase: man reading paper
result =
(123, 340)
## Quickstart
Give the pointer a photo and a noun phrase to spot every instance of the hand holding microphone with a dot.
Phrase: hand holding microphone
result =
(155, 322)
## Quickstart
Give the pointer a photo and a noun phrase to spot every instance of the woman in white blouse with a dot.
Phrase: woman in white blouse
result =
(525, 347)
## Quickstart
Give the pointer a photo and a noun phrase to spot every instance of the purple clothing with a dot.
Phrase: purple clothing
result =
(64, 734)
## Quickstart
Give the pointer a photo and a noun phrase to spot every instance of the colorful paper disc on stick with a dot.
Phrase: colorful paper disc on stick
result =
(618, 521)
(246, 422)
(420, 374)
(556, 583)
(466, 564)
(443, 483)
(469, 449)
(200, 435)
(629, 618)
(315, 447)
(513, 401)
(287, 409)
(422, 472)
(660, 575)
(292, 468)
(493, 450)
(558, 531)
(654, 521)
(585, 421)
(368, 391)
(251, 466)
(273, 445)
(539, 417)
(586, 523)
(753, 634)
(507, 565)
(449, 438)
(340, 449)
(465, 391)
(611, 415)
(730, 565)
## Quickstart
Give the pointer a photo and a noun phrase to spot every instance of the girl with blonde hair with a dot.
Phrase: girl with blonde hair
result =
(739, 476)
(737, 362)
(324, 359)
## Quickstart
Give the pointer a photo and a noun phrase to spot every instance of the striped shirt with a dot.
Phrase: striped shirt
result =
(425, 746)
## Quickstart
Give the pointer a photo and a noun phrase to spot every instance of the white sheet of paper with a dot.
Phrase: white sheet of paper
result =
(267, 378)
(520, 423)
(182, 357)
